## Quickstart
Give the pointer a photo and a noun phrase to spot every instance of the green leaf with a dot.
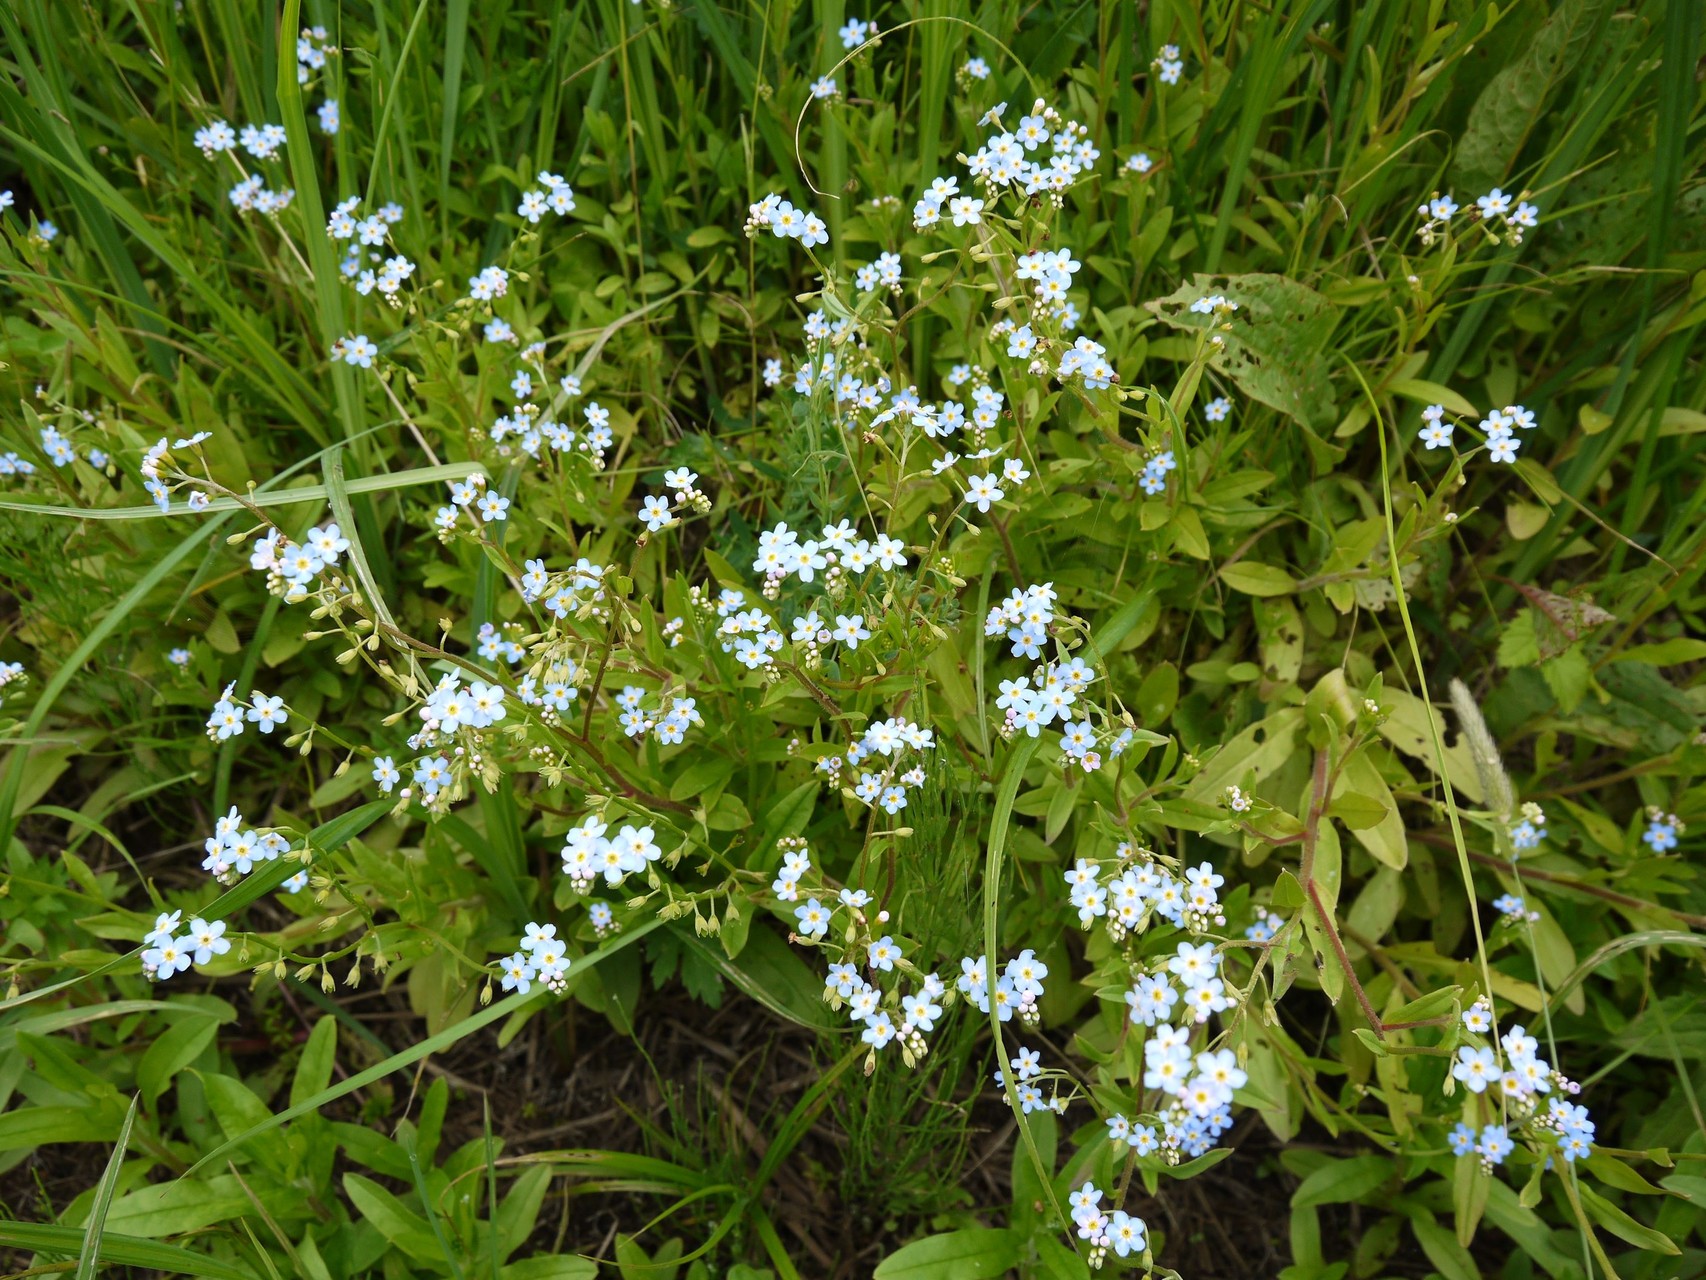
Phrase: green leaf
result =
(1470, 1186)
(1568, 676)
(267, 496)
(172, 1051)
(1621, 1225)
(1251, 756)
(175, 1208)
(1511, 104)
(400, 1225)
(1358, 812)
(28, 1127)
(1666, 653)
(1254, 578)
(1519, 642)
(1341, 1181)
(519, 1212)
(1383, 836)
(1279, 349)
(314, 1067)
(1449, 1257)
(1406, 727)
(1423, 392)
(1059, 1262)
(1432, 1005)
(971, 1253)
(557, 1266)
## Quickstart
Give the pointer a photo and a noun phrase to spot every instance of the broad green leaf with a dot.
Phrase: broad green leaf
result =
(173, 1050)
(176, 1208)
(314, 1067)
(28, 1127)
(1512, 102)
(1406, 727)
(1343, 1180)
(519, 1212)
(1278, 349)
(1254, 578)
(553, 1267)
(1621, 1225)
(1423, 392)
(971, 1253)
(1253, 754)
(1378, 827)
(395, 1221)
(1449, 1257)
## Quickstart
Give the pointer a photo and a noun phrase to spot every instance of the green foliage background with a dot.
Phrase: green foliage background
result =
(1243, 612)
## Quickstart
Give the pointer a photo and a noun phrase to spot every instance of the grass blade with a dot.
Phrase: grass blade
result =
(89, 1258)
(125, 1251)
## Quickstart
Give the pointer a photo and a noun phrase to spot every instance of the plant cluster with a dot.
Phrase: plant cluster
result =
(997, 613)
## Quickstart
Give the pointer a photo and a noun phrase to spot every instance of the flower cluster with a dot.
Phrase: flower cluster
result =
(1017, 990)
(1496, 427)
(292, 567)
(1104, 1230)
(529, 423)
(1522, 1079)
(1513, 910)
(155, 462)
(1155, 469)
(540, 958)
(658, 512)
(58, 449)
(782, 554)
(884, 1014)
(1141, 890)
(488, 285)
(312, 47)
(11, 673)
(578, 590)
(1529, 831)
(1024, 618)
(785, 222)
(1265, 928)
(669, 722)
(230, 716)
(1169, 63)
(890, 739)
(235, 849)
(472, 498)
(884, 273)
(1004, 164)
(588, 853)
(365, 261)
(262, 142)
(166, 953)
(1504, 217)
(552, 195)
